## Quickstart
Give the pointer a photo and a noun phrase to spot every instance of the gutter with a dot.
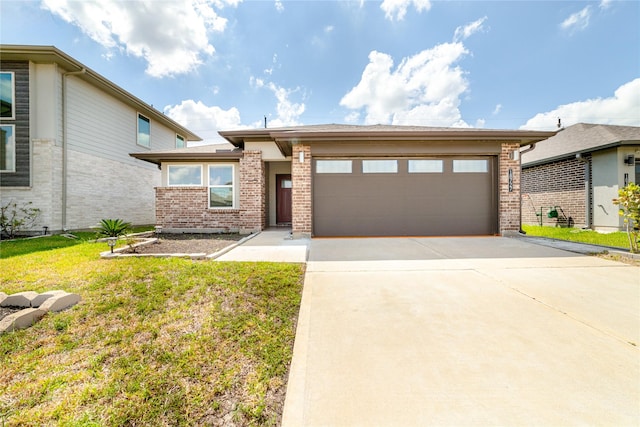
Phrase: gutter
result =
(65, 148)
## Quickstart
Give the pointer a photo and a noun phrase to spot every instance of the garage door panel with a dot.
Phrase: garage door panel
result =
(403, 203)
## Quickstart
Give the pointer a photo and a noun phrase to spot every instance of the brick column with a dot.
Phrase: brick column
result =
(509, 200)
(301, 192)
(252, 192)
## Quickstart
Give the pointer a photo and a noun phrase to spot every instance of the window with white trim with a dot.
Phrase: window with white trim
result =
(7, 148)
(144, 131)
(333, 166)
(379, 166)
(426, 166)
(180, 141)
(184, 175)
(471, 166)
(7, 95)
(222, 186)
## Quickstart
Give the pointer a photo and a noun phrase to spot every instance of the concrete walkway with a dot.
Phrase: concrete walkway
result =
(464, 331)
(270, 246)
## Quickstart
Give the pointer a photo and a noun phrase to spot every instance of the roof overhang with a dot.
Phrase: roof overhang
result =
(51, 54)
(194, 154)
(285, 138)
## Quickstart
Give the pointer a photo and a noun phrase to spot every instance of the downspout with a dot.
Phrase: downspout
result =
(64, 143)
(587, 189)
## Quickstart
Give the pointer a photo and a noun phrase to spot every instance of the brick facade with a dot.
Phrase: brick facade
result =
(561, 183)
(187, 208)
(301, 192)
(509, 198)
(253, 192)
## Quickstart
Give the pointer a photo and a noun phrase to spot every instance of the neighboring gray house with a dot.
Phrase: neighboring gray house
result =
(66, 134)
(580, 170)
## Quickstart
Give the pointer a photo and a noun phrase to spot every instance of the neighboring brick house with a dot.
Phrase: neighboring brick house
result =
(344, 180)
(580, 170)
(65, 137)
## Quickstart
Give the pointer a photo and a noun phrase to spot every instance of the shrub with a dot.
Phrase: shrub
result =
(15, 219)
(629, 202)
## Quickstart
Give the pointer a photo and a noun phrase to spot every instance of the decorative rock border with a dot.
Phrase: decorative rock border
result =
(34, 307)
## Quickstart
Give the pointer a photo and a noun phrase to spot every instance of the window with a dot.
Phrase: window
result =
(184, 175)
(333, 166)
(7, 95)
(144, 131)
(379, 166)
(470, 166)
(179, 141)
(7, 148)
(425, 166)
(221, 188)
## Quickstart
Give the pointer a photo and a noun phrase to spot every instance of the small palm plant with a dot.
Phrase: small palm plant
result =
(112, 229)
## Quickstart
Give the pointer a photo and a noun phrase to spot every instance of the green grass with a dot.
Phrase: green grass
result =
(11, 248)
(153, 341)
(617, 239)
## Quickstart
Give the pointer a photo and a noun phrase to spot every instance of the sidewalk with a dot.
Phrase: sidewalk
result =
(270, 246)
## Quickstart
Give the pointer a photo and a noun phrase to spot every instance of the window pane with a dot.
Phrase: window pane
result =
(179, 142)
(221, 197)
(144, 131)
(425, 166)
(470, 166)
(333, 166)
(286, 183)
(6, 95)
(221, 175)
(379, 166)
(7, 149)
(185, 175)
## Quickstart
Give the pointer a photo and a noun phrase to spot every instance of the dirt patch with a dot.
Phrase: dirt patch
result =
(5, 311)
(189, 243)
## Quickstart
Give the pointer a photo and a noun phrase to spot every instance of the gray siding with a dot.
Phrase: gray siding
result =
(19, 178)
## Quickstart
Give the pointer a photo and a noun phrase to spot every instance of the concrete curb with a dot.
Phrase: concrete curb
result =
(223, 251)
(577, 247)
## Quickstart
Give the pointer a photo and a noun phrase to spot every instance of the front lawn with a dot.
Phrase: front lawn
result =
(153, 342)
(618, 239)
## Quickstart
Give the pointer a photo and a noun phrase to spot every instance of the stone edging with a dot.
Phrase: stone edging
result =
(34, 307)
(119, 253)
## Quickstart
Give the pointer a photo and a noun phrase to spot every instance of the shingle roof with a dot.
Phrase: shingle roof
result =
(581, 138)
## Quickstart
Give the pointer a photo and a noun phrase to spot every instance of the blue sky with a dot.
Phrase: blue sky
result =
(225, 64)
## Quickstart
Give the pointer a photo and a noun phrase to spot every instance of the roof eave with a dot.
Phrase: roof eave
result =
(159, 158)
(53, 54)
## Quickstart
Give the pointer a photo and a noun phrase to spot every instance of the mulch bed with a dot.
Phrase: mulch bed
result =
(189, 243)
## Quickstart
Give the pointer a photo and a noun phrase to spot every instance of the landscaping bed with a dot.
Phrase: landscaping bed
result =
(188, 243)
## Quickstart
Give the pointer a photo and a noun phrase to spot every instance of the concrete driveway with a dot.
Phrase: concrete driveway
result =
(464, 331)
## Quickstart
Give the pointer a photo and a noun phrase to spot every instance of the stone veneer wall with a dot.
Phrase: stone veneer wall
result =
(508, 201)
(301, 192)
(561, 183)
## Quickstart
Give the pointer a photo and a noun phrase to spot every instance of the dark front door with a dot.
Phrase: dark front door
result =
(283, 199)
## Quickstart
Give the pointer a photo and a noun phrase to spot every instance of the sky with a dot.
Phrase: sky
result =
(227, 64)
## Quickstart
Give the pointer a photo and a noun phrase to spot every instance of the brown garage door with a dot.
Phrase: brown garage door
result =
(447, 196)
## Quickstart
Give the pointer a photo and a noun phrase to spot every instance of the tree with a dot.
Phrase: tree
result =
(629, 202)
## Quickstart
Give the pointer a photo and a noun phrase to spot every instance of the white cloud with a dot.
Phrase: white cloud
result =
(204, 120)
(424, 89)
(497, 109)
(623, 108)
(171, 37)
(463, 33)
(279, 5)
(397, 9)
(578, 20)
(605, 4)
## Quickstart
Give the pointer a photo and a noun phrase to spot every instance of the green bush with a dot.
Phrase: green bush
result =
(629, 202)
